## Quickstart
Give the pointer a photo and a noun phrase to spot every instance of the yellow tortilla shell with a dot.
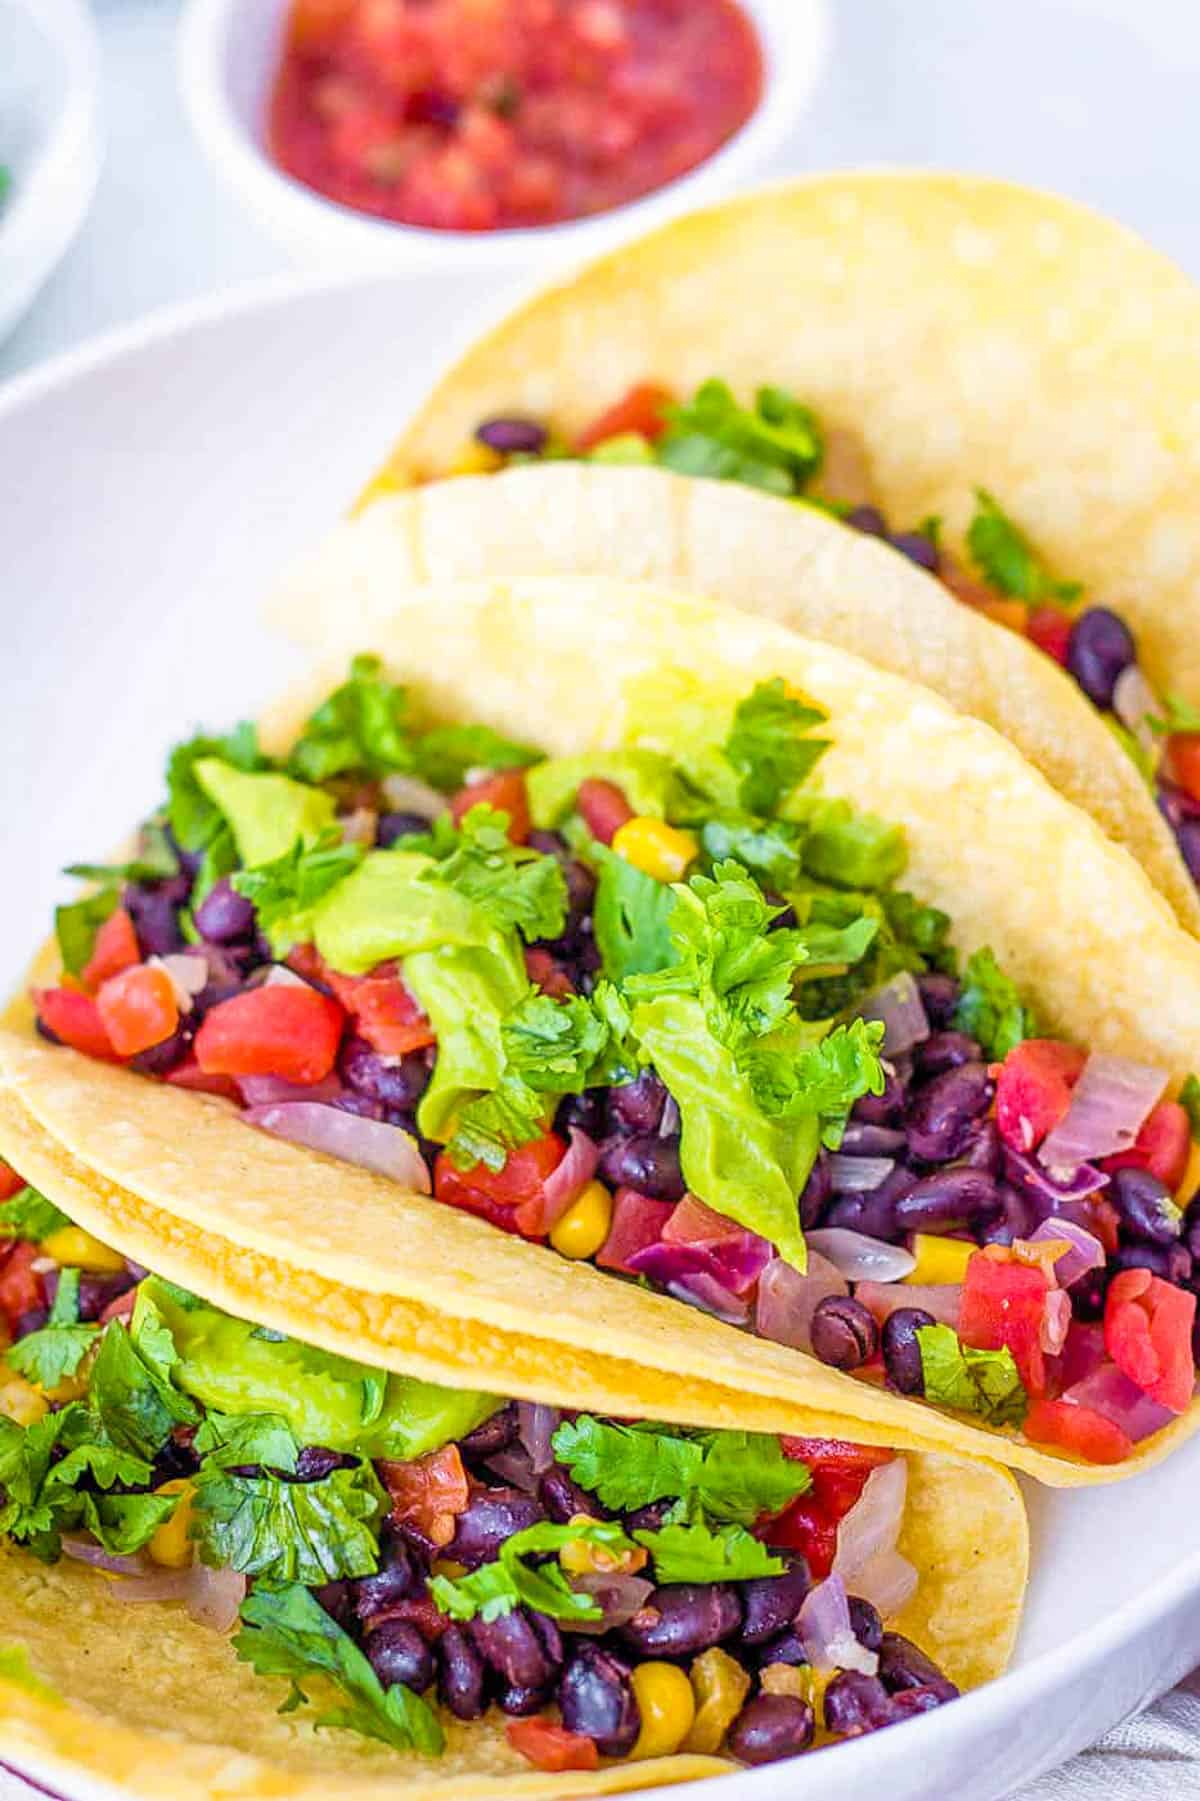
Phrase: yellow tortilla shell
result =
(769, 556)
(154, 1686)
(1072, 917)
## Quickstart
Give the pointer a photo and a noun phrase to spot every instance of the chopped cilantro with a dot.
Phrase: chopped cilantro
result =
(517, 888)
(309, 1532)
(76, 925)
(48, 1356)
(445, 754)
(193, 816)
(362, 728)
(983, 1382)
(30, 1215)
(990, 1008)
(768, 746)
(1006, 559)
(696, 1553)
(821, 1080)
(285, 891)
(852, 850)
(630, 918)
(733, 1476)
(771, 849)
(1178, 715)
(775, 444)
(496, 1588)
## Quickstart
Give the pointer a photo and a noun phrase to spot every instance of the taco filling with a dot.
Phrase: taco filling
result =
(618, 1590)
(778, 445)
(675, 1017)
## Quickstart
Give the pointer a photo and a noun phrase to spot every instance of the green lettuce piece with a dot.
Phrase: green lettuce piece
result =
(1178, 715)
(387, 909)
(550, 1048)
(362, 728)
(76, 925)
(769, 747)
(467, 993)
(309, 1532)
(1007, 560)
(28, 1214)
(631, 917)
(267, 813)
(771, 849)
(990, 1007)
(626, 447)
(645, 777)
(285, 892)
(700, 1553)
(192, 814)
(983, 1382)
(445, 754)
(847, 848)
(775, 444)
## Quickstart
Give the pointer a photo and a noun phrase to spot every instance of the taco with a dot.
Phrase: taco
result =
(795, 1003)
(996, 382)
(467, 1596)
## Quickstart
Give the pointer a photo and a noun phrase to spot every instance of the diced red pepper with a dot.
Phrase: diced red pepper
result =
(74, 1019)
(1148, 1334)
(499, 1195)
(603, 808)
(643, 410)
(116, 948)
(428, 1492)
(550, 1747)
(805, 1526)
(1079, 1429)
(546, 974)
(1003, 1303)
(1183, 755)
(506, 792)
(281, 1029)
(139, 1008)
(1163, 1145)
(21, 1288)
(10, 1182)
(839, 1474)
(637, 1222)
(1050, 630)
(385, 1012)
(1033, 1089)
(189, 1075)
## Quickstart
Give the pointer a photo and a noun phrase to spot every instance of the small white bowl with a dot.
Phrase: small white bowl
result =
(49, 140)
(228, 52)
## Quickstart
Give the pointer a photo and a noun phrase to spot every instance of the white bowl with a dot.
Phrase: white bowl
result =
(227, 56)
(191, 456)
(49, 140)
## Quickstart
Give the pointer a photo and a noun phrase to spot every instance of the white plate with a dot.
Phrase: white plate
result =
(164, 477)
(49, 140)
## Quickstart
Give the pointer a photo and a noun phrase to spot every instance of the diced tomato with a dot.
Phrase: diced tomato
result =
(603, 808)
(836, 1453)
(506, 792)
(643, 410)
(1148, 1334)
(138, 1008)
(1033, 1089)
(637, 1221)
(1162, 1146)
(1003, 1304)
(385, 1013)
(421, 1611)
(189, 1075)
(550, 1747)
(74, 1019)
(115, 949)
(546, 974)
(1183, 754)
(1079, 1429)
(10, 1182)
(21, 1287)
(1050, 630)
(428, 1492)
(806, 1527)
(694, 1223)
(277, 1030)
(498, 1195)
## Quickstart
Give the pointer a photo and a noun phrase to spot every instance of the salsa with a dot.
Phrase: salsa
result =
(481, 115)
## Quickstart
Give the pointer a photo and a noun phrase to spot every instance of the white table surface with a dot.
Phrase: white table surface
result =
(1095, 97)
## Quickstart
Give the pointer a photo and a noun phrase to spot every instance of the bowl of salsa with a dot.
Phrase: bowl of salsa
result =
(489, 129)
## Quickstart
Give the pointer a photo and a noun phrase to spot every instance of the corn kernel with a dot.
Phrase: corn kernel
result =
(667, 1706)
(720, 1686)
(940, 1259)
(475, 459)
(1191, 1176)
(73, 1246)
(172, 1544)
(785, 1679)
(585, 1225)
(656, 848)
(20, 1400)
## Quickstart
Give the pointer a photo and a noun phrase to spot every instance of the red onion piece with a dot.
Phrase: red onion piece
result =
(1109, 1391)
(824, 1626)
(515, 1467)
(265, 1091)
(942, 1299)
(898, 1004)
(1134, 702)
(215, 1597)
(158, 1585)
(1108, 1108)
(668, 1125)
(536, 1426)
(562, 1187)
(619, 1598)
(858, 1175)
(734, 1263)
(1086, 1251)
(85, 1550)
(710, 1296)
(787, 1300)
(873, 1523)
(1056, 1321)
(387, 1150)
(1051, 1193)
(188, 973)
(888, 1582)
(1081, 1355)
(860, 1258)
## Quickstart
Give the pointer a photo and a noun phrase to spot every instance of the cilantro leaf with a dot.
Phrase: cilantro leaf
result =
(851, 849)
(156, 861)
(517, 888)
(48, 1356)
(309, 1532)
(76, 925)
(41, 1468)
(361, 728)
(193, 816)
(285, 891)
(630, 917)
(551, 1048)
(1189, 1100)
(227, 1440)
(820, 1081)
(1178, 715)
(771, 849)
(768, 747)
(496, 1588)
(1006, 559)
(286, 1632)
(776, 444)
(697, 1553)
(983, 1382)
(1142, 756)
(445, 754)
(745, 1474)
(733, 1476)
(30, 1215)
(990, 1008)
(134, 1401)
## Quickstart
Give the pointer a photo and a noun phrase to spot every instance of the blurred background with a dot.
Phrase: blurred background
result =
(1094, 97)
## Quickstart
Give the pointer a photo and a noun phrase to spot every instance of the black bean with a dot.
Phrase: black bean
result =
(844, 1333)
(512, 1647)
(1173, 1263)
(1099, 649)
(96, 1291)
(683, 1618)
(918, 548)
(882, 1109)
(154, 909)
(1148, 1212)
(563, 1499)
(866, 1623)
(398, 1653)
(788, 1648)
(491, 1516)
(856, 1704)
(946, 1050)
(157, 1059)
(770, 1603)
(337, 1598)
(596, 1700)
(650, 1165)
(586, 1111)
(867, 519)
(550, 844)
(550, 1636)
(375, 1077)
(873, 1213)
(939, 997)
(912, 1701)
(940, 1113)
(391, 826)
(984, 1149)
(461, 1674)
(904, 1665)
(224, 915)
(511, 436)
(649, 1518)
(1191, 1225)
(861, 1139)
(395, 1579)
(1187, 836)
(771, 1727)
(519, 1702)
(1089, 1293)
(315, 1462)
(32, 1320)
(950, 1200)
(1016, 1218)
(902, 1349)
(636, 1108)
(495, 1434)
(814, 1196)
